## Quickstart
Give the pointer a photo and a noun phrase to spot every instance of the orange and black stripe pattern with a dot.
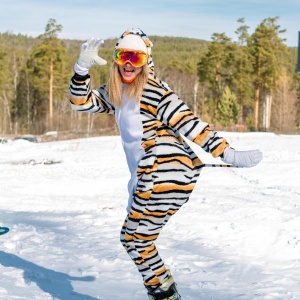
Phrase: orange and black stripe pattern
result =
(83, 99)
(168, 171)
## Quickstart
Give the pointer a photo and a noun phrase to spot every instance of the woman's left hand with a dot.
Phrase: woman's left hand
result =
(242, 159)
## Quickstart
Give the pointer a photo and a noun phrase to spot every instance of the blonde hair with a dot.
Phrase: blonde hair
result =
(135, 89)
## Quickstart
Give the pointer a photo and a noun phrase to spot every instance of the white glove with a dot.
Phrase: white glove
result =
(242, 159)
(89, 56)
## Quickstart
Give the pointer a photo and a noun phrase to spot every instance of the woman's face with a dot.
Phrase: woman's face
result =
(129, 72)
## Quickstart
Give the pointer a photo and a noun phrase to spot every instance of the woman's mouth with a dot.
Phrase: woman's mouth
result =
(128, 71)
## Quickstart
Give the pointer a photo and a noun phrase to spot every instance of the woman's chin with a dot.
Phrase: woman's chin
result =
(128, 79)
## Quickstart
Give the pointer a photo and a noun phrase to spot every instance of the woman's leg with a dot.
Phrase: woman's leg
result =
(141, 247)
(151, 209)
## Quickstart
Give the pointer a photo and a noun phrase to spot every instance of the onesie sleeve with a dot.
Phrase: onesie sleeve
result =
(82, 98)
(173, 112)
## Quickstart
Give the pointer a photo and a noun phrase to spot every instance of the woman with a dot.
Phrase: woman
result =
(151, 119)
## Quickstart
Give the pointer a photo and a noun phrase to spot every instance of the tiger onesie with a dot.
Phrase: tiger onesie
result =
(164, 169)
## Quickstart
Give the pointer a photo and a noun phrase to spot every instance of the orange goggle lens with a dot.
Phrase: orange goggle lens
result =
(137, 59)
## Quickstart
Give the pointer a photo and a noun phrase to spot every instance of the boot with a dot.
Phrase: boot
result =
(166, 291)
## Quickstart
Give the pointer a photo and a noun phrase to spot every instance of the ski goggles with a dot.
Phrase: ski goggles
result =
(137, 59)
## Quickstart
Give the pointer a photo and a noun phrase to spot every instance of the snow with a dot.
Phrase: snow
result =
(237, 238)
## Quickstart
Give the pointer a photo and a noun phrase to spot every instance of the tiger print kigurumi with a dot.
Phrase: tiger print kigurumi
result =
(164, 169)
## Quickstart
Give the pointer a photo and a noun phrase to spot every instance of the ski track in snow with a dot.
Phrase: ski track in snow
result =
(237, 238)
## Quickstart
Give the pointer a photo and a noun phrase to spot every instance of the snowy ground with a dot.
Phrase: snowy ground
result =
(237, 238)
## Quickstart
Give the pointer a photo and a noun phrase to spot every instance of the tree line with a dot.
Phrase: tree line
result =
(250, 82)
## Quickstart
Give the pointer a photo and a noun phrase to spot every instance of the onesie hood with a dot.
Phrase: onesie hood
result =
(136, 39)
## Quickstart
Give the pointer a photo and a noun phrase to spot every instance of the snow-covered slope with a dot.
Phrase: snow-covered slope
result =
(237, 238)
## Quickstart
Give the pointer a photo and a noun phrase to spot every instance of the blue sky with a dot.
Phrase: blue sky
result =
(82, 19)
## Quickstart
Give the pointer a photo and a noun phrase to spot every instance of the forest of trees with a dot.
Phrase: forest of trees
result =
(248, 82)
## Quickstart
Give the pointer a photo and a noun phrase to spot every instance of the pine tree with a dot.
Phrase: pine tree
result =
(267, 50)
(241, 82)
(215, 66)
(227, 109)
(46, 64)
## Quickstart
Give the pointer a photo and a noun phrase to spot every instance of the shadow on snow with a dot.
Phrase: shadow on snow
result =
(57, 284)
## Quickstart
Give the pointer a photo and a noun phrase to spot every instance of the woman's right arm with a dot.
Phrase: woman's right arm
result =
(82, 98)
